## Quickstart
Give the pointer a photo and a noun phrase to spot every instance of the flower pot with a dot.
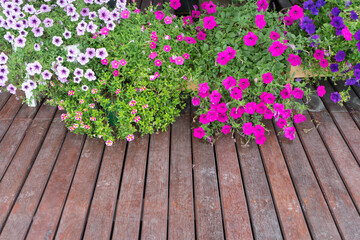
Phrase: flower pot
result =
(30, 99)
(301, 73)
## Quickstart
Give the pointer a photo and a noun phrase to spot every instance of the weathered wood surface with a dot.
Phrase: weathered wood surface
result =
(57, 185)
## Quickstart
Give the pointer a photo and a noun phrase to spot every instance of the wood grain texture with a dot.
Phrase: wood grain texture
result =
(156, 194)
(317, 213)
(128, 213)
(338, 199)
(75, 211)
(236, 218)
(49, 211)
(102, 212)
(262, 210)
(10, 109)
(291, 217)
(207, 202)
(4, 97)
(181, 209)
(24, 208)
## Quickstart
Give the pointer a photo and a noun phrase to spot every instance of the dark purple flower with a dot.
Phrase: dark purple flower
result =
(357, 73)
(308, 4)
(358, 46)
(335, 11)
(357, 66)
(340, 56)
(307, 20)
(335, 97)
(320, 3)
(314, 11)
(350, 81)
(354, 16)
(310, 29)
(337, 22)
(348, 3)
(357, 35)
(334, 67)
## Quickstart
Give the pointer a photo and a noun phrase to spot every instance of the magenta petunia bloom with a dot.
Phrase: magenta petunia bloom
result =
(288, 20)
(179, 60)
(104, 61)
(159, 15)
(125, 14)
(321, 91)
(248, 128)
(236, 93)
(158, 62)
(116, 73)
(347, 34)
(210, 7)
(250, 107)
(152, 45)
(290, 133)
(203, 119)
(203, 87)
(153, 55)
(281, 123)
(296, 12)
(115, 64)
(260, 21)
(298, 118)
(222, 117)
(167, 48)
(230, 52)
(277, 48)
(168, 20)
(286, 113)
(260, 139)
(268, 114)
(180, 37)
(262, 5)
(199, 132)
(201, 36)
(223, 58)
(274, 35)
(104, 31)
(190, 40)
(215, 97)
(297, 93)
(186, 55)
(250, 39)
(195, 101)
(212, 115)
(244, 83)
(226, 129)
(123, 62)
(324, 63)
(209, 22)
(318, 54)
(229, 82)
(221, 108)
(261, 108)
(285, 93)
(294, 60)
(267, 77)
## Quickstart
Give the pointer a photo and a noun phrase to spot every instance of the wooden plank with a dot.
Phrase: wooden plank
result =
(181, 209)
(346, 163)
(262, 210)
(353, 105)
(4, 97)
(291, 218)
(317, 213)
(20, 165)
(49, 211)
(10, 109)
(102, 212)
(236, 217)
(344, 211)
(15, 135)
(156, 195)
(207, 201)
(128, 214)
(24, 208)
(75, 211)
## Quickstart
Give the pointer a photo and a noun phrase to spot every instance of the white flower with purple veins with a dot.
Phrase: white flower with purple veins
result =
(62, 72)
(75, 17)
(92, 15)
(89, 1)
(63, 80)
(90, 75)
(70, 10)
(23, 33)
(2, 20)
(48, 22)
(32, 84)
(9, 37)
(19, 41)
(115, 15)
(85, 88)
(37, 47)
(25, 87)
(67, 34)
(45, 8)
(77, 80)
(4, 70)
(82, 59)
(121, 4)
(104, 14)
(62, 3)
(46, 75)
(29, 9)
(91, 27)
(38, 32)
(101, 53)
(37, 67)
(72, 50)
(84, 12)
(3, 80)
(11, 88)
(110, 25)
(3, 58)
(19, 26)
(82, 25)
(90, 52)
(57, 41)
(30, 69)
(34, 21)
(59, 59)
(78, 72)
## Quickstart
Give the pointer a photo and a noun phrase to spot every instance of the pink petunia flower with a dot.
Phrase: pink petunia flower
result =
(318, 54)
(294, 60)
(262, 5)
(229, 82)
(267, 77)
(209, 22)
(274, 35)
(104, 61)
(167, 48)
(195, 101)
(158, 62)
(179, 60)
(321, 91)
(250, 39)
(123, 62)
(116, 73)
(159, 15)
(250, 107)
(223, 58)
(130, 137)
(201, 36)
(115, 64)
(168, 20)
(260, 21)
(347, 34)
(296, 12)
(290, 133)
(236, 93)
(199, 132)
(277, 48)
(244, 83)
(298, 118)
(281, 123)
(226, 129)
(248, 128)
(104, 31)
(215, 97)
(324, 63)
(125, 14)
(297, 93)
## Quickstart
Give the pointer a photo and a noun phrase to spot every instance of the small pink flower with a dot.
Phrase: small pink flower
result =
(260, 139)
(92, 119)
(63, 117)
(229, 82)
(277, 48)
(281, 123)
(117, 91)
(195, 101)
(132, 103)
(153, 55)
(296, 12)
(116, 73)
(297, 93)
(94, 91)
(137, 119)
(180, 38)
(145, 106)
(324, 63)
(223, 58)
(115, 64)
(201, 36)
(158, 62)
(226, 129)
(288, 20)
(260, 21)
(168, 20)
(250, 39)
(215, 97)
(130, 137)
(71, 93)
(167, 48)
(159, 15)
(104, 61)
(236, 93)
(199, 132)
(179, 60)
(123, 62)
(104, 31)
(321, 91)
(125, 14)
(109, 143)
(274, 35)
(318, 54)
(267, 77)
(81, 101)
(294, 60)
(248, 128)
(186, 55)
(290, 133)
(209, 22)
(298, 118)
(347, 34)
(244, 83)
(152, 45)
(92, 105)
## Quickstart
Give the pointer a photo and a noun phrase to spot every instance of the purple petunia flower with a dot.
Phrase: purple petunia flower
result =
(3, 58)
(48, 22)
(75, 17)
(46, 75)
(62, 72)
(308, 5)
(320, 3)
(19, 41)
(11, 88)
(38, 31)
(45, 8)
(70, 10)
(314, 11)
(357, 35)
(4, 70)
(34, 21)
(334, 67)
(357, 74)
(337, 22)
(79, 72)
(82, 59)
(348, 3)
(36, 67)
(90, 52)
(62, 3)
(340, 56)
(82, 25)
(354, 16)
(90, 75)
(9, 37)
(335, 11)
(350, 81)
(101, 53)
(310, 29)
(335, 97)
(57, 41)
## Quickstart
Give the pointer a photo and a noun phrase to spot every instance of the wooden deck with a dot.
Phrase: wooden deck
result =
(57, 185)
